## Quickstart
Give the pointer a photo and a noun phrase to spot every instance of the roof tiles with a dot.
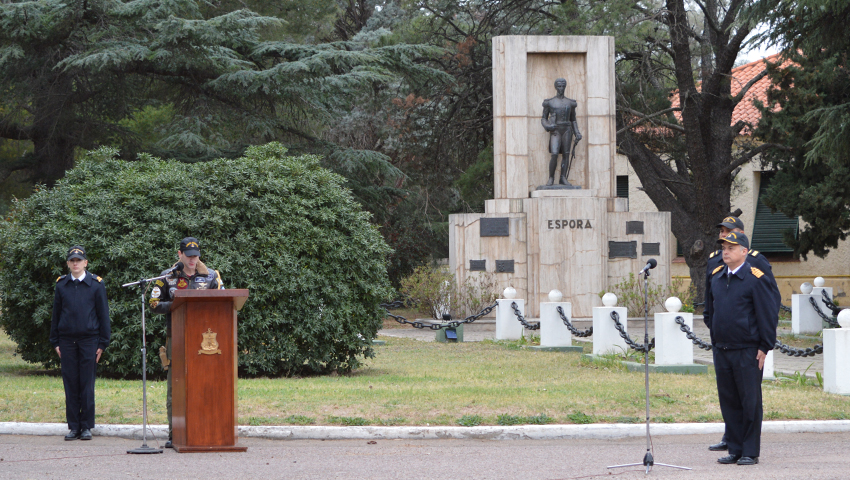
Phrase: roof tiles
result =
(745, 110)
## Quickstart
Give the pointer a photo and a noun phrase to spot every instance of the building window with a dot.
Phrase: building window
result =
(769, 227)
(623, 186)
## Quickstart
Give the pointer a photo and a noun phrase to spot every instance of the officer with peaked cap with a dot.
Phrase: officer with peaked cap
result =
(743, 320)
(79, 332)
(715, 259)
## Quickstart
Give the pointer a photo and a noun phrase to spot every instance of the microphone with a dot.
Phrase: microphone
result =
(179, 267)
(650, 264)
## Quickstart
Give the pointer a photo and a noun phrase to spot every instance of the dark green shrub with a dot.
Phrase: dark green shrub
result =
(470, 420)
(282, 227)
(348, 421)
(580, 418)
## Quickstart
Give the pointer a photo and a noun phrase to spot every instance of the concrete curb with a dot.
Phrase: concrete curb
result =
(521, 432)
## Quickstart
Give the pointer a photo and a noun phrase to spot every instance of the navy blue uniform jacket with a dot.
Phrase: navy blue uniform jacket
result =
(80, 310)
(716, 259)
(744, 311)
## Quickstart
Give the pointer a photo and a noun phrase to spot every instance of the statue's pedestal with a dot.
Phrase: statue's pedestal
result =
(576, 244)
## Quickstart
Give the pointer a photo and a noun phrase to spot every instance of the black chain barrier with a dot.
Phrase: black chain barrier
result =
(796, 352)
(826, 301)
(784, 308)
(392, 305)
(573, 329)
(786, 349)
(438, 326)
(691, 335)
(530, 326)
(629, 341)
(826, 318)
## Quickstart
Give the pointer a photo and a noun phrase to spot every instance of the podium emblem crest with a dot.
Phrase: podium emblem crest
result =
(209, 346)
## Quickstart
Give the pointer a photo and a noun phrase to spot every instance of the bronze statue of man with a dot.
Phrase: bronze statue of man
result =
(561, 129)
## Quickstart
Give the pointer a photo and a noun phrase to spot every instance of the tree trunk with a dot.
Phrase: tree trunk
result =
(694, 187)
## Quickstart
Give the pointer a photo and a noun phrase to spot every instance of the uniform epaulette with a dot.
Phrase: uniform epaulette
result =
(97, 278)
(754, 253)
(713, 254)
(60, 278)
(758, 273)
(717, 269)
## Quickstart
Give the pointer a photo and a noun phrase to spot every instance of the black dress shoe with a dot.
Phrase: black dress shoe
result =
(85, 434)
(72, 435)
(748, 461)
(168, 444)
(728, 459)
(718, 447)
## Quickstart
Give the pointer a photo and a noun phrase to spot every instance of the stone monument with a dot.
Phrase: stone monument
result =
(578, 240)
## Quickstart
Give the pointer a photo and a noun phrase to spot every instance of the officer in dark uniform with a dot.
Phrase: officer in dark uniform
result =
(743, 320)
(715, 259)
(80, 332)
(194, 276)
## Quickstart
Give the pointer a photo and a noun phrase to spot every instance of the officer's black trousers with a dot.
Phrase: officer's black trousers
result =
(79, 364)
(739, 388)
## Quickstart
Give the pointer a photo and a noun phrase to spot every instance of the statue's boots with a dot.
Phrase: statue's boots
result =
(550, 182)
(565, 169)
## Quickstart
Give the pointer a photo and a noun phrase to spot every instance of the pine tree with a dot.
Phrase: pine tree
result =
(75, 74)
(812, 121)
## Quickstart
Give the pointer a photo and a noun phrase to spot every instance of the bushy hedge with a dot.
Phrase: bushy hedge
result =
(282, 227)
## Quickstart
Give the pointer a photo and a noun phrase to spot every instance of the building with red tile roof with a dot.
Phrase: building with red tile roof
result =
(745, 111)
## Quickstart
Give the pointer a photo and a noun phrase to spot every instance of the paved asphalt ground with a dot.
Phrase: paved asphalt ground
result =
(783, 456)
(820, 452)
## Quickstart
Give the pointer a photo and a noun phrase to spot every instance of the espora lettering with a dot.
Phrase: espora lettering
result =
(568, 223)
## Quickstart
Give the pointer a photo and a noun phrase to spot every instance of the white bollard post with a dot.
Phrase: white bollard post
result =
(836, 356)
(507, 325)
(768, 372)
(804, 318)
(606, 338)
(816, 291)
(672, 346)
(553, 332)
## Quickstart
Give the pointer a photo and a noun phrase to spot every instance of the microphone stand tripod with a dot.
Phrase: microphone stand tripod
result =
(648, 461)
(145, 283)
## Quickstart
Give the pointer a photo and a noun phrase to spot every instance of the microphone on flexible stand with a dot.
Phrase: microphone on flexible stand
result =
(650, 264)
(179, 268)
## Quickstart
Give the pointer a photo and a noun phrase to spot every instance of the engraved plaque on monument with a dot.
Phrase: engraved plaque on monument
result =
(650, 249)
(504, 266)
(495, 227)
(634, 228)
(622, 250)
(478, 265)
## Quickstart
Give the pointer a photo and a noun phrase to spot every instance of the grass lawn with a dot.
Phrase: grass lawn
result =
(418, 383)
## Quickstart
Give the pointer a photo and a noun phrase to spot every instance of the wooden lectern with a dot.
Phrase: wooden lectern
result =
(204, 362)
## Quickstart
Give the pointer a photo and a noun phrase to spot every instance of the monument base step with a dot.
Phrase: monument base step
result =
(540, 348)
(686, 369)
